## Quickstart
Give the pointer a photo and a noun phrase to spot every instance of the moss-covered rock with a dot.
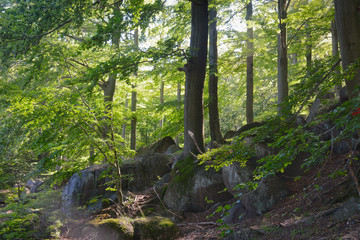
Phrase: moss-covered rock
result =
(114, 229)
(159, 228)
(191, 186)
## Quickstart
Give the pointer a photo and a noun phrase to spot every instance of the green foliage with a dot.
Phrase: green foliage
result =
(34, 216)
(224, 156)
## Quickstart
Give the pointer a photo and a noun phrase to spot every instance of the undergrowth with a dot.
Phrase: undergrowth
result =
(33, 216)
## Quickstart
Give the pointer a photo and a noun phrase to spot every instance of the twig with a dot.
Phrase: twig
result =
(316, 86)
(200, 223)
(162, 203)
(356, 180)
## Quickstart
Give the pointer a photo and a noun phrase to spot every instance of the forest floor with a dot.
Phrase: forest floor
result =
(306, 214)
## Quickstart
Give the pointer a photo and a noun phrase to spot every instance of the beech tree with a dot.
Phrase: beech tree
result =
(347, 18)
(214, 120)
(195, 70)
(283, 87)
(249, 65)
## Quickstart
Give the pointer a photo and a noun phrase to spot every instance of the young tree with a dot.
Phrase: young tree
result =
(214, 120)
(347, 18)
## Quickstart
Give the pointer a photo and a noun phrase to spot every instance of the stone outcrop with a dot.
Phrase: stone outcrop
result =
(231, 134)
(84, 187)
(270, 190)
(160, 146)
(193, 189)
(124, 228)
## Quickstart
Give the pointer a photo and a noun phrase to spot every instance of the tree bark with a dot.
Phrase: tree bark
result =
(134, 101)
(249, 66)
(133, 120)
(347, 18)
(195, 70)
(214, 121)
(161, 123)
(308, 49)
(123, 132)
(335, 52)
(179, 101)
(283, 89)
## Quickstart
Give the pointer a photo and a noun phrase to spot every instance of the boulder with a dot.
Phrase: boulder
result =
(270, 190)
(349, 209)
(85, 187)
(173, 149)
(231, 134)
(124, 228)
(160, 146)
(235, 175)
(193, 189)
(144, 171)
(114, 228)
(82, 187)
(33, 185)
(155, 228)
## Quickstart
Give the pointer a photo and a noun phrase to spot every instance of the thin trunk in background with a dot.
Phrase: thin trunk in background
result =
(134, 101)
(249, 66)
(308, 48)
(161, 123)
(335, 52)
(123, 132)
(178, 107)
(283, 88)
(214, 120)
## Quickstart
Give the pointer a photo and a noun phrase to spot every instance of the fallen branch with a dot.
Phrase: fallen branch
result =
(195, 224)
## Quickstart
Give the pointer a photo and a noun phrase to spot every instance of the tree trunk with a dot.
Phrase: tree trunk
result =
(283, 88)
(161, 123)
(123, 132)
(214, 120)
(107, 129)
(195, 70)
(335, 52)
(133, 120)
(179, 101)
(347, 15)
(308, 49)
(134, 101)
(249, 66)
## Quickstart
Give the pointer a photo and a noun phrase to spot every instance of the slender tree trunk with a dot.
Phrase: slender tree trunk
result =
(308, 49)
(335, 52)
(283, 88)
(179, 101)
(161, 123)
(347, 18)
(123, 132)
(214, 120)
(107, 131)
(133, 120)
(249, 66)
(195, 70)
(134, 101)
